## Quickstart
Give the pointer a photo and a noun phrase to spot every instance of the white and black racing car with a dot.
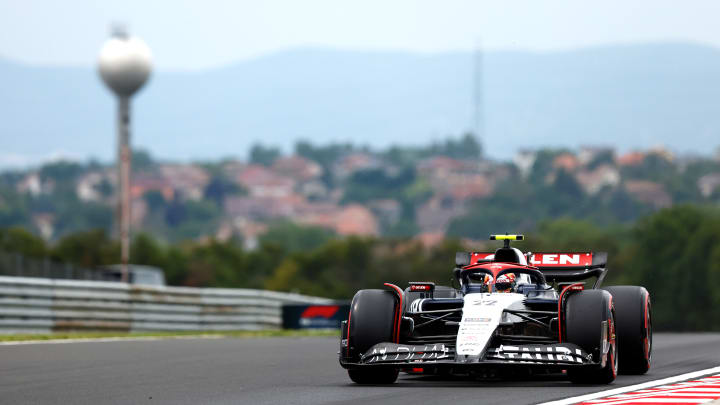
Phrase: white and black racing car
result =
(511, 312)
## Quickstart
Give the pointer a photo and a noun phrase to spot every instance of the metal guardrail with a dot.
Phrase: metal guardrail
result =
(39, 305)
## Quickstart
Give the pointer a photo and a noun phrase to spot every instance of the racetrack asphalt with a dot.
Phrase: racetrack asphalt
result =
(276, 371)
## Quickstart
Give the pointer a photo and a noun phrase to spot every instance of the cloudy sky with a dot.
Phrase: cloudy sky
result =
(187, 34)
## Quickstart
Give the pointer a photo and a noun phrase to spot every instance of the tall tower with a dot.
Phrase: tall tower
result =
(478, 116)
(125, 63)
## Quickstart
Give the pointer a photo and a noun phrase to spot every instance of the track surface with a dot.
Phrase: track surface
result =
(274, 371)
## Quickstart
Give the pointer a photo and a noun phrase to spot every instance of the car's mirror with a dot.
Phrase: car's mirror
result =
(462, 259)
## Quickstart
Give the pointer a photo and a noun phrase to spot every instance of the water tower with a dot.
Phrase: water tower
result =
(125, 63)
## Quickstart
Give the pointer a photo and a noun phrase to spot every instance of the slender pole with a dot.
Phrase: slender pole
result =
(479, 119)
(124, 180)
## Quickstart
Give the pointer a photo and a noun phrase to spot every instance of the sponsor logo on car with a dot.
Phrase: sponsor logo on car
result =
(555, 353)
(390, 352)
(476, 319)
(561, 259)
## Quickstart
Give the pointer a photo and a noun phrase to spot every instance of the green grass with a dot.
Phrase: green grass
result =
(230, 334)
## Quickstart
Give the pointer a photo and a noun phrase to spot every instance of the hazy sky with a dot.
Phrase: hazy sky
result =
(188, 34)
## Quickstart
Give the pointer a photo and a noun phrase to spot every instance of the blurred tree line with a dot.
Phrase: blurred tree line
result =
(674, 253)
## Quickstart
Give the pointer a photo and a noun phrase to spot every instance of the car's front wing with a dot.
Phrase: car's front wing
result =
(546, 356)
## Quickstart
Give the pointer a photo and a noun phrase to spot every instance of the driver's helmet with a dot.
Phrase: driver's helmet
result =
(505, 283)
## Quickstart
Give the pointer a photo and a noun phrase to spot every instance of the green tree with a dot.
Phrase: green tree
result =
(672, 255)
(147, 251)
(61, 171)
(20, 240)
(87, 249)
(295, 237)
(262, 155)
(220, 187)
(155, 200)
(142, 160)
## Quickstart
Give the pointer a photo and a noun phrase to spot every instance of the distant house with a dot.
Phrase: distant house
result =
(353, 219)
(435, 215)
(631, 159)
(662, 152)
(44, 222)
(469, 186)
(648, 192)
(190, 180)
(431, 239)
(355, 162)
(387, 210)
(265, 183)
(87, 186)
(250, 231)
(298, 168)
(263, 208)
(440, 166)
(453, 178)
(524, 160)
(143, 182)
(708, 184)
(588, 154)
(30, 184)
(566, 161)
(593, 181)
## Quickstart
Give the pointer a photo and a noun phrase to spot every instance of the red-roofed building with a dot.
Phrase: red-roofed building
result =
(141, 183)
(631, 159)
(566, 161)
(263, 182)
(352, 219)
(298, 168)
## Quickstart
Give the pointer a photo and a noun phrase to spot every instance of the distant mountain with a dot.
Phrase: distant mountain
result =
(628, 96)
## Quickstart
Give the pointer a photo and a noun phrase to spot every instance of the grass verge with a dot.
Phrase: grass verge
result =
(230, 334)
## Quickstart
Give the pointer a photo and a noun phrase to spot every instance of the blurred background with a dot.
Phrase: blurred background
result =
(320, 147)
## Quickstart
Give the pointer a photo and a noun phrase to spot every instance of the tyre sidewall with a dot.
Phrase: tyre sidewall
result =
(633, 327)
(585, 313)
(371, 320)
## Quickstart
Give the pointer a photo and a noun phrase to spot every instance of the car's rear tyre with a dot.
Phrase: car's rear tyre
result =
(634, 327)
(586, 314)
(371, 321)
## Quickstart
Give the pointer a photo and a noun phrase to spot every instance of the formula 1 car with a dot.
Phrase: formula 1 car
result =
(511, 313)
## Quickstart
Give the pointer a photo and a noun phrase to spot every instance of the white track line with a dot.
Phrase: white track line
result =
(635, 387)
(107, 339)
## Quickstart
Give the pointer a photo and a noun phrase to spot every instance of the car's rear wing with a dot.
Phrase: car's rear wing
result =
(570, 266)
(556, 266)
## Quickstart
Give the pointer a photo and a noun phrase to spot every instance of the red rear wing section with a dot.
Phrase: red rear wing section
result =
(561, 266)
(559, 260)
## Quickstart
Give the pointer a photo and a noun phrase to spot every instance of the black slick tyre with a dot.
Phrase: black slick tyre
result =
(371, 321)
(588, 315)
(633, 326)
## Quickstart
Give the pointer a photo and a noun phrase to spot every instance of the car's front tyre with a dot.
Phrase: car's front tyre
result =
(371, 321)
(590, 315)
